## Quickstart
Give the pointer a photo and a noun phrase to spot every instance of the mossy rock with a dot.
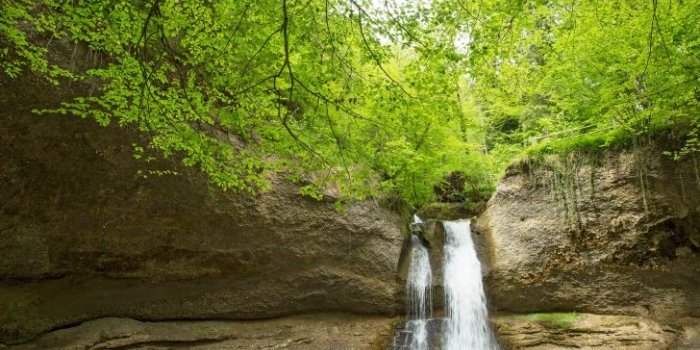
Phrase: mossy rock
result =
(564, 320)
(449, 211)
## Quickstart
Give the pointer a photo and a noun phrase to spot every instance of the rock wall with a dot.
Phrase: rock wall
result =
(319, 331)
(618, 238)
(582, 331)
(98, 251)
(83, 236)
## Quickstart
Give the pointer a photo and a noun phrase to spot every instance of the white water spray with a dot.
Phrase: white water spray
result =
(416, 219)
(419, 286)
(419, 282)
(467, 325)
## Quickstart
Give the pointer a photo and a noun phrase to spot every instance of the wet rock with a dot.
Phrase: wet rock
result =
(446, 211)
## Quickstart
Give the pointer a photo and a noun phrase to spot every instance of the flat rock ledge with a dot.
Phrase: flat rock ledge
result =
(308, 332)
(559, 331)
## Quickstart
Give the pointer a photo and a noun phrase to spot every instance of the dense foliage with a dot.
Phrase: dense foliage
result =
(584, 74)
(370, 98)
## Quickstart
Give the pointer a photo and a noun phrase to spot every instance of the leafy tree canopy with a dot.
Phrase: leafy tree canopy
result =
(374, 98)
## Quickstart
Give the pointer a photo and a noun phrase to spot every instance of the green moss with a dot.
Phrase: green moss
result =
(443, 211)
(619, 138)
(588, 143)
(554, 319)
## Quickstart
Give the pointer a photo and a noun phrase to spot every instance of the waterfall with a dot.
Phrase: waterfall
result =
(467, 326)
(417, 220)
(419, 286)
(420, 282)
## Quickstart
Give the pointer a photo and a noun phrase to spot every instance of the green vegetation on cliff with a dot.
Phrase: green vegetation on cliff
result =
(554, 319)
(373, 98)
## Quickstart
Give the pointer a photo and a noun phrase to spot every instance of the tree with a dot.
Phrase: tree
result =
(338, 92)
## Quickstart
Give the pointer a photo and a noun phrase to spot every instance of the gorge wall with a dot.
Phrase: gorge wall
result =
(85, 236)
(98, 251)
(620, 238)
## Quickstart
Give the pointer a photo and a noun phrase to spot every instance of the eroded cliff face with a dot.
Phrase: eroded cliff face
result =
(318, 331)
(618, 238)
(557, 331)
(84, 235)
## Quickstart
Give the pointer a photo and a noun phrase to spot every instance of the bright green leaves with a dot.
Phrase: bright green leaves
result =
(18, 50)
(341, 98)
(581, 73)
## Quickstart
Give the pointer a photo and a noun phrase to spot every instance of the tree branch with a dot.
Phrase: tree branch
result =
(372, 53)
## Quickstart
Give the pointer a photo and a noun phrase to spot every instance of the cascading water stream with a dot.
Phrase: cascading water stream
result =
(420, 283)
(419, 295)
(467, 326)
(419, 286)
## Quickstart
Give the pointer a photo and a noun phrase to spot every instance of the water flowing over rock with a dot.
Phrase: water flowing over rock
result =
(419, 287)
(419, 304)
(466, 324)
(420, 283)
(467, 316)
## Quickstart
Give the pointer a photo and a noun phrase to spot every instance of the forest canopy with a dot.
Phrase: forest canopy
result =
(380, 98)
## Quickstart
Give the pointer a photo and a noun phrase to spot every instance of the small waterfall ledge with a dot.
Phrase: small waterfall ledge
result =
(466, 323)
